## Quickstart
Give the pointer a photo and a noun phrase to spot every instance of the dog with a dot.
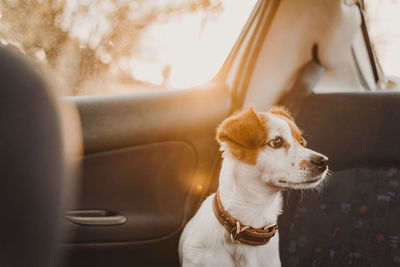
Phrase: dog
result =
(263, 154)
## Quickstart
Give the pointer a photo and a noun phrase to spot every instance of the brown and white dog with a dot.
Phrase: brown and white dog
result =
(263, 154)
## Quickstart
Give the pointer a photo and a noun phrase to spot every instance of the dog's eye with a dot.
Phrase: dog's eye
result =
(303, 142)
(277, 142)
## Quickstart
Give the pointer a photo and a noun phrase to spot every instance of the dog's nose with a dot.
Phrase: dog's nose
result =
(319, 161)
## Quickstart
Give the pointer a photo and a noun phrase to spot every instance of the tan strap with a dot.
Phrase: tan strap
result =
(240, 232)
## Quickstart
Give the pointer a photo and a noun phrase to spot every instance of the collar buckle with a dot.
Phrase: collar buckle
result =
(237, 230)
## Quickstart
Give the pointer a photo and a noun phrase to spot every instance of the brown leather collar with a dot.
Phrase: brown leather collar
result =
(239, 232)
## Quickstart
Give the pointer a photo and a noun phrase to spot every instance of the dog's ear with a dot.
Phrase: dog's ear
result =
(243, 133)
(282, 111)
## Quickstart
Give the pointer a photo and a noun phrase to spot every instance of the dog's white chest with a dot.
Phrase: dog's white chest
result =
(267, 255)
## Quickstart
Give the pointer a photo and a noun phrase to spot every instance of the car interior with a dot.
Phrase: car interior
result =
(128, 171)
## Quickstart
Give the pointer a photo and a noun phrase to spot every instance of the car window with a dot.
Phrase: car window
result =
(383, 22)
(119, 46)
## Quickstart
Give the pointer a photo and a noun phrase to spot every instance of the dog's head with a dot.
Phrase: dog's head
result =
(272, 143)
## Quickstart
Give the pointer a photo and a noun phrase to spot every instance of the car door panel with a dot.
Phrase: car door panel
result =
(146, 183)
(117, 121)
(159, 252)
(151, 158)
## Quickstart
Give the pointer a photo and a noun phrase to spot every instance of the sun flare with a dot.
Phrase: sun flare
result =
(194, 50)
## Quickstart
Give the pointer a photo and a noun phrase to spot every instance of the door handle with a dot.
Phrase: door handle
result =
(95, 217)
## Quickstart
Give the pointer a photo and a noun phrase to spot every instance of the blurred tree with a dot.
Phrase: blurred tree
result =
(80, 38)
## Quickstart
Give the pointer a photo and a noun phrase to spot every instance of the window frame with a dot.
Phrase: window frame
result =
(379, 75)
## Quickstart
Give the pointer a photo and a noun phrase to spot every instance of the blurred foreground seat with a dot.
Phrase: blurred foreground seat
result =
(38, 138)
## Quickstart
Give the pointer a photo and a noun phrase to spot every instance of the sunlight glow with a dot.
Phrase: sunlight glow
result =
(385, 33)
(125, 46)
(195, 51)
